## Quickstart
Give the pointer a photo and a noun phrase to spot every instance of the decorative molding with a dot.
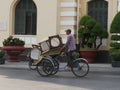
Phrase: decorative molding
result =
(68, 13)
(68, 4)
(68, 22)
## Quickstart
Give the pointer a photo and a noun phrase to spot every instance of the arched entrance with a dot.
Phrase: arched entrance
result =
(25, 18)
(98, 9)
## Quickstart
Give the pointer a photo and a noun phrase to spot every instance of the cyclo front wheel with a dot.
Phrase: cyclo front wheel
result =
(45, 67)
(80, 67)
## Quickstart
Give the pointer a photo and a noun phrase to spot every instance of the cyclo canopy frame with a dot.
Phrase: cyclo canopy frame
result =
(52, 46)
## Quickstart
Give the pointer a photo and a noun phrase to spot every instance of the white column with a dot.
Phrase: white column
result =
(118, 5)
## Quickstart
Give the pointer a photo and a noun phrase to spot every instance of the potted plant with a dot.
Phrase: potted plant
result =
(2, 59)
(115, 41)
(90, 34)
(13, 47)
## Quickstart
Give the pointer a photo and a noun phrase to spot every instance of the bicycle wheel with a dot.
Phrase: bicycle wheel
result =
(30, 64)
(80, 67)
(45, 67)
(56, 66)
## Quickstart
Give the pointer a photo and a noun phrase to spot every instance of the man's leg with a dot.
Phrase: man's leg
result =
(69, 59)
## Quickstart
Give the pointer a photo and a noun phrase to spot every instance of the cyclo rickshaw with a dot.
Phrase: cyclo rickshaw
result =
(45, 58)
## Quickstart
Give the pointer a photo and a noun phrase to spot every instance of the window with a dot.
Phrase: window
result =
(25, 18)
(98, 9)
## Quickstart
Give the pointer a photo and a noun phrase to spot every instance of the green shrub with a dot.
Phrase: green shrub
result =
(114, 51)
(97, 30)
(115, 38)
(104, 34)
(84, 19)
(90, 23)
(115, 26)
(115, 45)
(10, 41)
(89, 31)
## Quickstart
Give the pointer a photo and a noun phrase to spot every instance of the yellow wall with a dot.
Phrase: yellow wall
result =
(4, 19)
(48, 18)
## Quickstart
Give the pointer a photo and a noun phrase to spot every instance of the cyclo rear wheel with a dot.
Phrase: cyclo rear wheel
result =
(56, 66)
(31, 65)
(80, 67)
(45, 67)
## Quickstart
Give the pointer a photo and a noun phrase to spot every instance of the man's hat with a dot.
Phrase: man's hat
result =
(68, 30)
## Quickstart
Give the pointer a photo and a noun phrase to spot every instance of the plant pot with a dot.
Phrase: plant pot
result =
(13, 52)
(90, 55)
(115, 63)
(2, 61)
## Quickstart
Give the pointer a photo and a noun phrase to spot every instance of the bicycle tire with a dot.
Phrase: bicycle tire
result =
(80, 67)
(45, 67)
(56, 66)
(30, 64)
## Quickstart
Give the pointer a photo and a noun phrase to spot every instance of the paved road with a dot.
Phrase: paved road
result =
(100, 77)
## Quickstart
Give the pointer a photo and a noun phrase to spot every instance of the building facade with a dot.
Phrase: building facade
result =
(35, 20)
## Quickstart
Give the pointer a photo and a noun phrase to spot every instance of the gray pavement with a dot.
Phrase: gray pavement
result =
(17, 76)
(24, 65)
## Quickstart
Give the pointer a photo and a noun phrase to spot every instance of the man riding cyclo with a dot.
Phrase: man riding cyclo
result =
(69, 48)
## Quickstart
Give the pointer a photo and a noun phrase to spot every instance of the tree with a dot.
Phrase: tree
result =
(90, 31)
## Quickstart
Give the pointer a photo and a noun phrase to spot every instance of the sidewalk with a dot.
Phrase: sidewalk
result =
(15, 65)
(93, 67)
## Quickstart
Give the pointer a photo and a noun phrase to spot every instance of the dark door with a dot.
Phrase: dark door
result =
(98, 9)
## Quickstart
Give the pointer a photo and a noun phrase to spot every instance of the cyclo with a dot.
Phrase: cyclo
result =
(45, 58)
